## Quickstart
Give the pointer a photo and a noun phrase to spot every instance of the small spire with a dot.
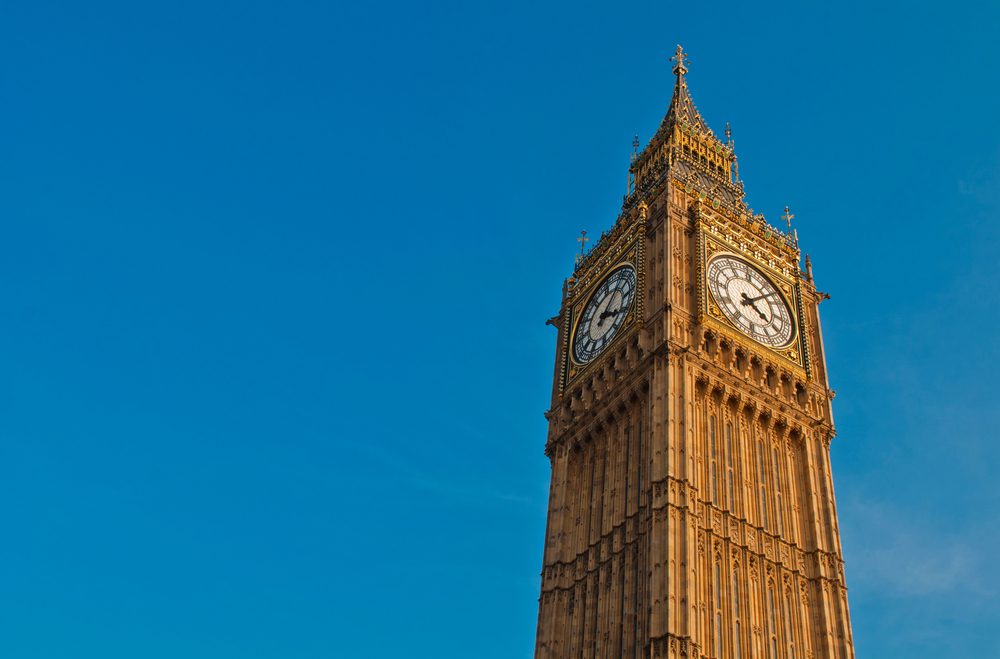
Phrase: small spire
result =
(679, 56)
(583, 240)
(635, 156)
(809, 269)
(788, 217)
(729, 135)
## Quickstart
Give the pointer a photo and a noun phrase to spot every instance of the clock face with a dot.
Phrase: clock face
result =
(604, 314)
(750, 301)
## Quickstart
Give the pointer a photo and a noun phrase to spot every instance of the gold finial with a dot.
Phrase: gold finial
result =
(788, 217)
(635, 147)
(583, 240)
(679, 56)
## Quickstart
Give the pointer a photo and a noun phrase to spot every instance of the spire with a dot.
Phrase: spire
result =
(685, 143)
(682, 107)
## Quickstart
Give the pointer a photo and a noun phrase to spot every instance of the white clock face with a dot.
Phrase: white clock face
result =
(604, 314)
(750, 301)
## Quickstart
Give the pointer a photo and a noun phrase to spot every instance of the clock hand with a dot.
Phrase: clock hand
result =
(750, 300)
(608, 314)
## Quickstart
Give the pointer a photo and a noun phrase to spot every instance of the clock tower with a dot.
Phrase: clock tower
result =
(691, 507)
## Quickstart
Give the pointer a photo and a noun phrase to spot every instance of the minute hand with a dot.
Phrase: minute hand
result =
(750, 300)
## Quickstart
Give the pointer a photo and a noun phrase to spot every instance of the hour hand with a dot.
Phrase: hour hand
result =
(750, 302)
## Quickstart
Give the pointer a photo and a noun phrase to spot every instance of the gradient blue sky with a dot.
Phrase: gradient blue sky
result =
(274, 276)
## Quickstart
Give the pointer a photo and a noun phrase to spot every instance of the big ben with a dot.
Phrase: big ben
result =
(691, 506)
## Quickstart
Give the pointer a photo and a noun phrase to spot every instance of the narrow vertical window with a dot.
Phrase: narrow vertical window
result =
(736, 595)
(788, 624)
(806, 616)
(718, 587)
(718, 635)
(772, 624)
(777, 491)
(730, 477)
(711, 441)
(791, 496)
(762, 483)
(640, 489)
(718, 610)
(737, 651)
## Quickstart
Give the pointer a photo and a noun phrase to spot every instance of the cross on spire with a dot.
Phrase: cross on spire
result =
(583, 240)
(788, 217)
(635, 147)
(679, 56)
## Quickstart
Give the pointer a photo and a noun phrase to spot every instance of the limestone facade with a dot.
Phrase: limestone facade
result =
(691, 508)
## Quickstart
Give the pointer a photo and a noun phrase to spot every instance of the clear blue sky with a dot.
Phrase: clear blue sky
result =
(273, 279)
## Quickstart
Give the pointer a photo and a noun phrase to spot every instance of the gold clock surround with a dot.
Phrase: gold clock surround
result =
(627, 251)
(715, 243)
(585, 301)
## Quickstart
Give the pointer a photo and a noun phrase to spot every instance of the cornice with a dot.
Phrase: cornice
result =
(587, 421)
(735, 387)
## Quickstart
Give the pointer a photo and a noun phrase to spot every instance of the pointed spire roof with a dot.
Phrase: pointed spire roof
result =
(682, 108)
(686, 146)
